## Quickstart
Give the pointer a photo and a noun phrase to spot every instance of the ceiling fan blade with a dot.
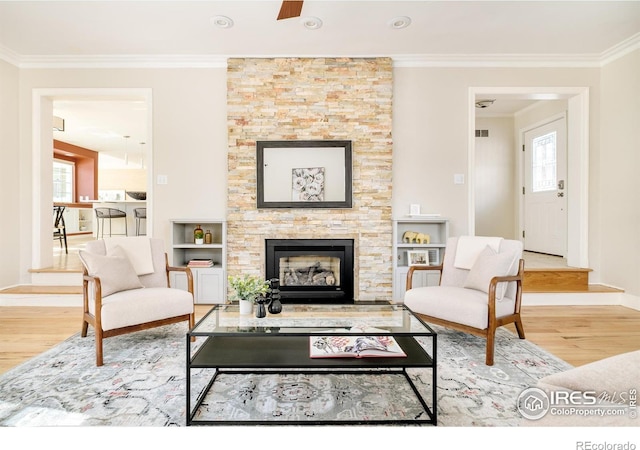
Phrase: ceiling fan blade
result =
(290, 9)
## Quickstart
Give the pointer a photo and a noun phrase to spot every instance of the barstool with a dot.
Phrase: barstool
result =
(110, 213)
(59, 228)
(140, 213)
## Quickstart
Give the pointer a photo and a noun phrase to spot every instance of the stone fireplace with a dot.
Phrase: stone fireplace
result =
(280, 99)
(311, 270)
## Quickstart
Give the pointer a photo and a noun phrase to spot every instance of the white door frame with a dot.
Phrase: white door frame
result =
(577, 161)
(42, 154)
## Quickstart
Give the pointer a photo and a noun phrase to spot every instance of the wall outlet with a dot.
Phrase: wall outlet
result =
(458, 178)
(163, 179)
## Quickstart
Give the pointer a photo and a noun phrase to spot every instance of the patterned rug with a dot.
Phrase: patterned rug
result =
(143, 384)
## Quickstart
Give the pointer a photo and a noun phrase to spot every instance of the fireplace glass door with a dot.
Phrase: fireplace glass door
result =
(309, 270)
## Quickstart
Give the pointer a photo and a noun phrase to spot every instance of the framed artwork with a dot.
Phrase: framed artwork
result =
(418, 257)
(304, 174)
(307, 185)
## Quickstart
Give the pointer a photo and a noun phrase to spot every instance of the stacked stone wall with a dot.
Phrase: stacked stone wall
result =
(313, 99)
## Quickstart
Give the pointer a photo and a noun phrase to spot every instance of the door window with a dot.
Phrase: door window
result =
(544, 163)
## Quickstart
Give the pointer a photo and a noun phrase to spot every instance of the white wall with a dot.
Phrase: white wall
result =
(619, 162)
(122, 179)
(189, 139)
(9, 179)
(495, 186)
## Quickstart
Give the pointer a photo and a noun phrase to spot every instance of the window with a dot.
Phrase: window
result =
(63, 174)
(544, 163)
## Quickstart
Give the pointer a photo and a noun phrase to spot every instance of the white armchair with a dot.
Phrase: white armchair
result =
(480, 288)
(126, 288)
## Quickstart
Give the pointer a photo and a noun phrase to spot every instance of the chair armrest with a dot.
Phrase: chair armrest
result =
(97, 295)
(185, 270)
(506, 278)
(178, 269)
(414, 268)
(493, 284)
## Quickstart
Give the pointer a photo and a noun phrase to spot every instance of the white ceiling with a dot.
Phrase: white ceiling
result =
(35, 31)
(149, 33)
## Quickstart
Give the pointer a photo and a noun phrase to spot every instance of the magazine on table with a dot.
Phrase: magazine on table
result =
(354, 346)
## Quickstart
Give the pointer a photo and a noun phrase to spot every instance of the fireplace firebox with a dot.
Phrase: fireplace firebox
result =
(311, 270)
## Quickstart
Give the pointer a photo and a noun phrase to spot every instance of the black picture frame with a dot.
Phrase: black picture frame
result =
(278, 162)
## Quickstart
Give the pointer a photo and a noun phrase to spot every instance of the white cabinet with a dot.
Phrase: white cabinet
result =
(425, 240)
(85, 220)
(71, 222)
(209, 283)
(78, 220)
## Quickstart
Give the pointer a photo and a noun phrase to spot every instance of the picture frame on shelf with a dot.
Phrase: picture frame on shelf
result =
(418, 257)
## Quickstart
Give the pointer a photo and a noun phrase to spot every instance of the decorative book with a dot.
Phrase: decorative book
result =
(196, 262)
(354, 347)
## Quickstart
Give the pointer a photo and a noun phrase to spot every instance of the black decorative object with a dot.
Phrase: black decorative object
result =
(261, 311)
(275, 306)
(137, 195)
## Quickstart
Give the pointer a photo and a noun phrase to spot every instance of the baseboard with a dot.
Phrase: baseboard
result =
(571, 298)
(631, 301)
(528, 299)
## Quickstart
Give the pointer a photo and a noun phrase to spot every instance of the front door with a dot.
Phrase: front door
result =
(545, 189)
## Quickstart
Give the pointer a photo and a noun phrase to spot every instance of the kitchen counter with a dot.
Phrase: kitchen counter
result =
(88, 204)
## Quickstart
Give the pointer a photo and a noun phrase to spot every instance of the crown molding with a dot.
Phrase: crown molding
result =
(9, 56)
(417, 61)
(119, 61)
(495, 60)
(621, 49)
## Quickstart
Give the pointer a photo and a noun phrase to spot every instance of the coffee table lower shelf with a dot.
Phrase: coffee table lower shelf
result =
(290, 355)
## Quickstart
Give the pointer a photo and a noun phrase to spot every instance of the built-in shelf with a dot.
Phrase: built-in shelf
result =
(437, 229)
(209, 282)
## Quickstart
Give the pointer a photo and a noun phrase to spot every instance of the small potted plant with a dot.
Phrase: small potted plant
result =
(199, 236)
(247, 288)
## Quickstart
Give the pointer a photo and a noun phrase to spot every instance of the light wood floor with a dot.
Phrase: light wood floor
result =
(576, 334)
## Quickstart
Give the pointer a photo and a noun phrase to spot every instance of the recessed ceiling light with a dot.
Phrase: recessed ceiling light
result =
(222, 21)
(400, 22)
(311, 23)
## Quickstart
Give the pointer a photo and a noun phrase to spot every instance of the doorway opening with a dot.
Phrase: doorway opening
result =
(577, 99)
(42, 154)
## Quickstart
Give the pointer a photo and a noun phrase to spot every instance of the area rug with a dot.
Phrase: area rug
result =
(143, 384)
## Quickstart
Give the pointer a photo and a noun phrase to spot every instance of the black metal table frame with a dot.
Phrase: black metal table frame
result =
(221, 353)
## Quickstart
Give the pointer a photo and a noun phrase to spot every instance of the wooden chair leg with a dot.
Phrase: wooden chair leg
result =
(491, 338)
(519, 328)
(99, 361)
(85, 328)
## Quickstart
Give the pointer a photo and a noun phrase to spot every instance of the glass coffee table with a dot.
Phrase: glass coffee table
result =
(225, 343)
